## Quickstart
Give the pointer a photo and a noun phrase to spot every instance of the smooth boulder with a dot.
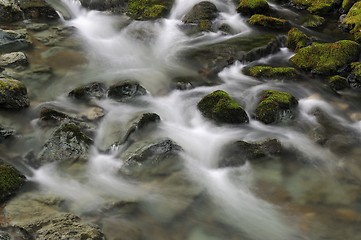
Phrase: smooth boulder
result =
(269, 72)
(126, 91)
(13, 59)
(94, 90)
(13, 94)
(202, 14)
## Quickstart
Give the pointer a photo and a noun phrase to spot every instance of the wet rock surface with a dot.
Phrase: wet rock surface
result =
(11, 180)
(11, 41)
(13, 94)
(13, 59)
(126, 91)
(89, 91)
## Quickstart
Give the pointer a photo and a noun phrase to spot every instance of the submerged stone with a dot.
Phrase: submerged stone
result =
(250, 7)
(275, 106)
(94, 90)
(13, 94)
(297, 39)
(10, 11)
(326, 58)
(220, 107)
(269, 22)
(337, 83)
(125, 91)
(11, 180)
(268, 72)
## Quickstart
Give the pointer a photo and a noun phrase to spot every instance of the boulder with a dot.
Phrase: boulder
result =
(250, 7)
(148, 9)
(14, 40)
(297, 39)
(337, 83)
(11, 180)
(202, 14)
(67, 143)
(94, 90)
(50, 117)
(13, 59)
(269, 22)
(37, 9)
(354, 79)
(347, 4)
(126, 91)
(10, 11)
(6, 133)
(326, 58)
(316, 7)
(13, 94)
(268, 72)
(275, 106)
(314, 21)
(352, 21)
(221, 108)
(237, 153)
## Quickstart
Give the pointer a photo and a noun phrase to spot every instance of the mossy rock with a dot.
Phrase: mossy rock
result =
(250, 7)
(268, 72)
(37, 9)
(297, 39)
(202, 14)
(337, 83)
(11, 180)
(314, 21)
(316, 6)
(94, 90)
(148, 9)
(13, 94)
(352, 21)
(347, 4)
(10, 11)
(354, 79)
(275, 106)
(220, 107)
(126, 91)
(326, 58)
(269, 22)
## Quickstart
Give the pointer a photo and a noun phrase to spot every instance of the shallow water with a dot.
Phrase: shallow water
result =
(310, 191)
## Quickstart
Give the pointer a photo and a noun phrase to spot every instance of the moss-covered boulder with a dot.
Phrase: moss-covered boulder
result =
(250, 7)
(326, 58)
(352, 21)
(37, 9)
(126, 91)
(314, 21)
(337, 83)
(316, 6)
(269, 22)
(148, 9)
(10, 11)
(268, 72)
(275, 106)
(94, 90)
(13, 94)
(297, 39)
(347, 4)
(354, 79)
(11, 181)
(220, 107)
(202, 14)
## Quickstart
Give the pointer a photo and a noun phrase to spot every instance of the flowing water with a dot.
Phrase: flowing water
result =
(311, 191)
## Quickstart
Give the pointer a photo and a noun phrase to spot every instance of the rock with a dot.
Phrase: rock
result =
(51, 117)
(202, 14)
(37, 27)
(337, 83)
(250, 7)
(352, 21)
(275, 106)
(237, 153)
(37, 9)
(297, 39)
(67, 143)
(316, 7)
(94, 90)
(93, 114)
(10, 11)
(354, 79)
(326, 58)
(269, 22)
(148, 9)
(159, 159)
(268, 72)
(12, 41)
(13, 59)
(115, 6)
(13, 94)
(347, 4)
(11, 180)
(6, 133)
(221, 108)
(126, 91)
(314, 21)
(12, 232)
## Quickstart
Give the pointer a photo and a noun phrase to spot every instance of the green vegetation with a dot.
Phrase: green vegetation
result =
(314, 21)
(337, 83)
(10, 181)
(347, 4)
(326, 58)
(249, 7)
(353, 21)
(297, 39)
(220, 107)
(271, 72)
(316, 6)
(147, 9)
(269, 22)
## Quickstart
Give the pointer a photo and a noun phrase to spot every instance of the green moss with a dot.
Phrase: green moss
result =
(154, 11)
(314, 21)
(297, 39)
(269, 22)
(326, 58)
(10, 181)
(271, 72)
(274, 106)
(353, 20)
(347, 4)
(356, 69)
(220, 107)
(147, 9)
(316, 6)
(7, 84)
(337, 83)
(249, 7)
(205, 25)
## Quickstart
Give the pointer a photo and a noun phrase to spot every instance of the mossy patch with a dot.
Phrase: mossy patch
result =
(326, 58)
(297, 39)
(10, 181)
(281, 73)
(353, 20)
(269, 22)
(249, 7)
(148, 9)
(347, 4)
(275, 106)
(13, 94)
(314, 21)
(337, 83)
(316, 6)
(354, 79)
(220, 107)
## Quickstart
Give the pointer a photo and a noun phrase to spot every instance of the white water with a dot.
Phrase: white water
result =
(149, 52)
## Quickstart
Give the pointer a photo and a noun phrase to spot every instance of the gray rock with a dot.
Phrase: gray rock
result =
(94, 90)
(13, 59)
(14, 40)
(14, 233)
(67, 143)
(11, 180)
(37, 27)
(10, 11)
(6, 133)
(201, 15)
(13, 94)
(35, 9)
(126, 91)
